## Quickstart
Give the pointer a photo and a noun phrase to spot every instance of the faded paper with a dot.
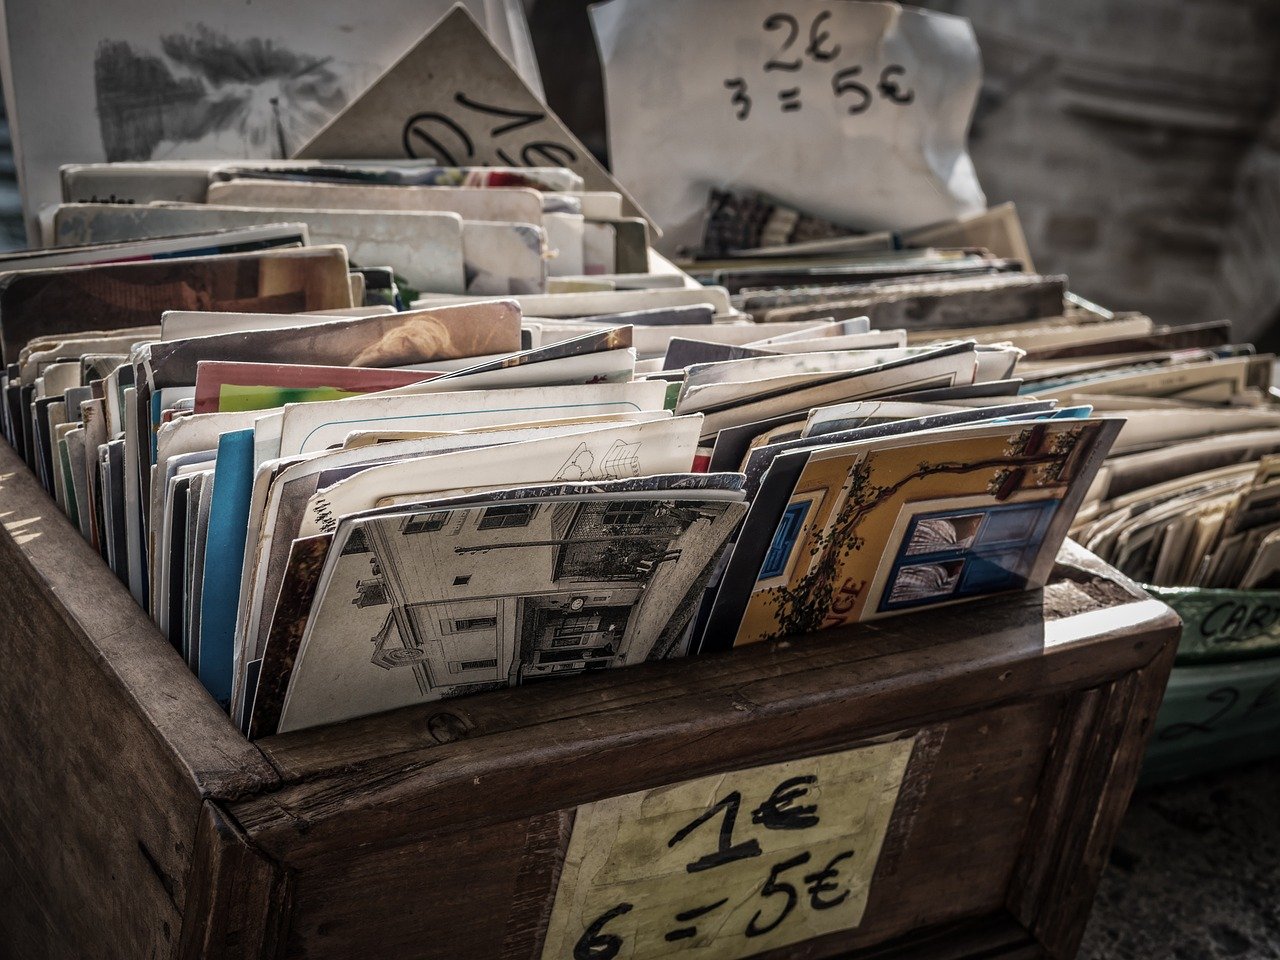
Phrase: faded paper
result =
(206, 79)
(427, 249)
(728, 866)
(454, 98)
(855, 112)
(417, 607)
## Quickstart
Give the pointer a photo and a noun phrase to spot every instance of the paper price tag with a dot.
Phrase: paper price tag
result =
(455, 99)
(856, 112)
(727, 866)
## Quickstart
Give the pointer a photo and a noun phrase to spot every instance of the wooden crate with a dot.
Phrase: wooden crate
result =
(136, 822)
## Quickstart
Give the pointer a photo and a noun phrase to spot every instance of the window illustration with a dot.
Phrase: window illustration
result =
(474, 623)
(932, 534)
(949, 554)
(426, 523)
(775, 561)
(356, 543)
(507, 515)
(624, 514)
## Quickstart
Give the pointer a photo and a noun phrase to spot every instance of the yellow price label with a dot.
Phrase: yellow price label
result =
(730, 865)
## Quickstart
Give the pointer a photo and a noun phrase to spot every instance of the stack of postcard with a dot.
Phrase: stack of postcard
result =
(1190, 494)
(451, 230)
(332, 508)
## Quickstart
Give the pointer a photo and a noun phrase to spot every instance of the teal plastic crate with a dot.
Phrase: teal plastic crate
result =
(1214, 716)
(1224, 625)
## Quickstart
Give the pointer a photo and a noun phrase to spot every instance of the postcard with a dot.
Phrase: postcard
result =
(592, 204)
(426, 248)
(222, 386)
(512, 204)
(965, 301)
(602, 582)
(225, 539)
(599, 303)
(185, 435)
(311, 427)
(503, 259)
(758, 457)
(565, 240)
(186, 324)
(602, 356)
(74, 299)
(290, 492)
(861, 413)
(382, 340)
(875, 527)
(606, 452)
(209, 243)
(288, 622)
(943, 367)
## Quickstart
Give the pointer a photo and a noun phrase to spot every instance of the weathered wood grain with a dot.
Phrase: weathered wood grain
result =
(1094, 764)
(108, 743)
(951, 865)
(237, 900)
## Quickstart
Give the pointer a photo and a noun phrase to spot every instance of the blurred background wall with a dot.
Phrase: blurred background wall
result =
(1139, 138)
(12, 234)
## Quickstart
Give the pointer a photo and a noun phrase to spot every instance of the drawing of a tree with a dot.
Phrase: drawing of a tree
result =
(1027, 460)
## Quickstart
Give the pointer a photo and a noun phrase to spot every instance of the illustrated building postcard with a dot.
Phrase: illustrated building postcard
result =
(420, 606)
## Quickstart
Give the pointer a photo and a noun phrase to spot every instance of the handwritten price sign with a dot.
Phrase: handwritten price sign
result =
(846, 83)
(727, 866)
(857, 112)
(449, 136)
(456, 100)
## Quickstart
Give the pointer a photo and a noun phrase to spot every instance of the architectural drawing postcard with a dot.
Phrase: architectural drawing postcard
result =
(415, 607)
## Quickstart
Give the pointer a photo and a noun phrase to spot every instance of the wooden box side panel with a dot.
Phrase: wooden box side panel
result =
(108, 745)
(96, 820)
(237, 900)
(415, 828)
(483, 892)
(1093, 765)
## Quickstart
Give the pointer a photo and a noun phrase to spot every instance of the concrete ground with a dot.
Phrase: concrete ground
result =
(1195, 873)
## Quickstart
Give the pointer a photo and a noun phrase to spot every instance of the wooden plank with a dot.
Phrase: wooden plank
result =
(237, 901)
(95, 814)
(463, 893)
(109, 745)
(999, 650)
(771, 696)
(79, 598)
(26, 927)
(1094, 767)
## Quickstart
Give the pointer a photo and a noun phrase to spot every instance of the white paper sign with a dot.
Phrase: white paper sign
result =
(857, 112)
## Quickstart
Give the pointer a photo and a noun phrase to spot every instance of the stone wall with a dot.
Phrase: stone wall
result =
(1119, 127)
(1249, 288)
